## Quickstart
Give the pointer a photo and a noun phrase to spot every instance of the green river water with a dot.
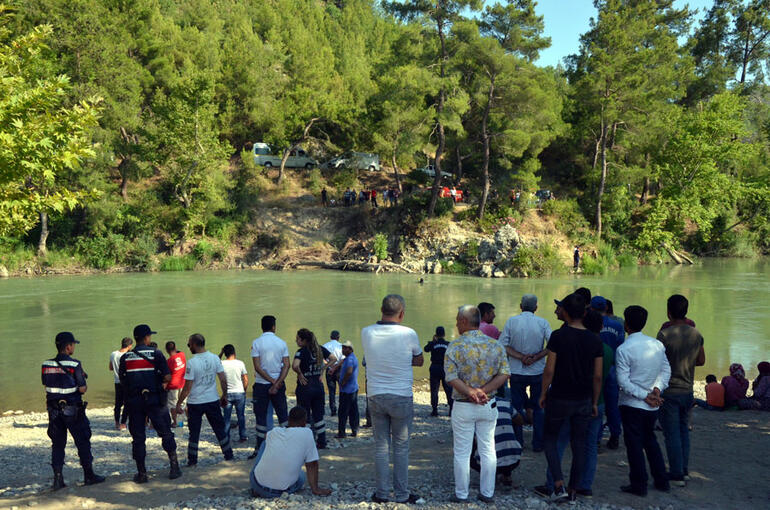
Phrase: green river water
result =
(729, 301)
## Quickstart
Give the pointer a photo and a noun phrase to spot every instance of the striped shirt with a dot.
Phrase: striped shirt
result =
(138, 373)
(62, 376)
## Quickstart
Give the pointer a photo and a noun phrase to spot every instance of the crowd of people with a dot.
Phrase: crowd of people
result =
(350, 197)
(595, 370)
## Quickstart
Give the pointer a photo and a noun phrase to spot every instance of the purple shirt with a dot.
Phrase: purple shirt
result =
(490, 330)
(734, 389)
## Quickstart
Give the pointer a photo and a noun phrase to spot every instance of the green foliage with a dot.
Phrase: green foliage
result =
(344, 179)
(416, 206)
(542, 260)
(380, 246)
(455, 267)
(178, 263)
(110, 249)
(315, 182)
(568, 217)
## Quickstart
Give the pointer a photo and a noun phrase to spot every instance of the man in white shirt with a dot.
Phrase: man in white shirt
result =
(200, 386)
(334, 347)
(278, 467)
(643, 373)
(524, 337)
(391, 350)
(270, 356)
(237, 383)
(120, 399)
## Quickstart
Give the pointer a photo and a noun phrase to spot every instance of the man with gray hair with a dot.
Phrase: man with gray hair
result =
(524, 337)
(475, 367)
(391, 350)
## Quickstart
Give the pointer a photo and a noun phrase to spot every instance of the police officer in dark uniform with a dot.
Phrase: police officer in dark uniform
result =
(437, 348)
(65, 383)
(144, 375)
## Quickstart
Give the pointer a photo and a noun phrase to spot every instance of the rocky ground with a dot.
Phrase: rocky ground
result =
(729, 462)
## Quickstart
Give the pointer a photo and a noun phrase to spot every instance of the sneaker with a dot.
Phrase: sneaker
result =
(586, 493)
(571, 497)
(376, 499)
(191, 464)
(543, 491)
(485, 499)
(613, 443)
(412, 499)
(354, 433)
(663, 486)
(559, 493)
(630, 489)
(454, 499)
(140, 477)
(434, 413)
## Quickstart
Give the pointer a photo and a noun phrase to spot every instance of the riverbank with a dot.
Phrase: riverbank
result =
(729, 462)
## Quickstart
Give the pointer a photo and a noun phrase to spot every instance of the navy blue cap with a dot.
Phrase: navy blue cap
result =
(65, 338)
(598, 303)
(142, 330)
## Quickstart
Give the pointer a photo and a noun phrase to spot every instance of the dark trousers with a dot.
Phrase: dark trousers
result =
(348, 412)
(120, 401)
(611, 395)
(437, 377)
(578, 414)
(261, 398)
(639, 437)
(331, 384)
(213, 413)
(161, 421)
(311, 398)
(78, 426)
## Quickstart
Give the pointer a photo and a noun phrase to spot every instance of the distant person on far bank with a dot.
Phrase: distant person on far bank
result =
(684, 350)
(200, 384)
(475, 366)
(576, 258)
(643, 373)
(334, 347)
(524, 337)
(437, 349)
(120, 398)
(65, 383)
(237, 384)
(270, 357)
(177, 364)
(487, 311)
(324, 198)
(348, 373)
(391, 351)
(280, 458)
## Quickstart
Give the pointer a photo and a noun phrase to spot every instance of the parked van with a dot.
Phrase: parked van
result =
(356, 160)
(298, 158)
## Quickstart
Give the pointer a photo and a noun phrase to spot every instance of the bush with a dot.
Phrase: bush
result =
(456, 267)
(627, 260)
(380, 246)
(14, 254)
(315, 182)
(568, 217)
(416, 205)
(177, 263)
(591, 265)
(418, 178)
(344, 179)
(104, 251)
(203, 251)
(537, 261)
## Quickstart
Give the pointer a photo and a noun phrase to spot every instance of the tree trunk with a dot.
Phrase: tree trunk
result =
(124, 187)
(395, 172)
(305, 133)
(745, 60)
(42, 249)
(284, 159)
(645, 191)
(440, 125)
(485, 142)
(602, 182)
(459, 162)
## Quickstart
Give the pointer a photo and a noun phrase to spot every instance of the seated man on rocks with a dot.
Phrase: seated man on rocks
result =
(278, 467)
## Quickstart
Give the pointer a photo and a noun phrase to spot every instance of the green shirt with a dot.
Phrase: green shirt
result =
(608, 360)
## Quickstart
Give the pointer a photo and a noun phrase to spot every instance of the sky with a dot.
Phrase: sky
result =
(567, 20)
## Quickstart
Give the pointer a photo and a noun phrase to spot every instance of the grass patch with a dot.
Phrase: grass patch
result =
(456, 267)
(177, 263)
(541, 260)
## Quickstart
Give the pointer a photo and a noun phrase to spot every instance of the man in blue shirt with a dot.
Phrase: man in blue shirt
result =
(612, 334)
(348, 410)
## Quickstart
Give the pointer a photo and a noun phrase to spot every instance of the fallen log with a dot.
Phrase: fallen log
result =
(677, 256)
(348, 265)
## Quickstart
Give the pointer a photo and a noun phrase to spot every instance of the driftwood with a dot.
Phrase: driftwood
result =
(677, 256)
(348, 265)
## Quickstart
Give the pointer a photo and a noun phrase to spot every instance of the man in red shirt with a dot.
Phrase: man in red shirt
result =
(176, 365)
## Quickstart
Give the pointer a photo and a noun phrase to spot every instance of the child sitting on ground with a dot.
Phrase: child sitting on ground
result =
(715, 395)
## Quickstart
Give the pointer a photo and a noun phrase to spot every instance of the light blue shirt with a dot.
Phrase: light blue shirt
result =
(526, 333)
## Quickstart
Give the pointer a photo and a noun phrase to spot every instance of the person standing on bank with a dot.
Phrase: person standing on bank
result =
(524, 337)
(348, 392)
(572, 382)
(270, 356)
(391, 351)
(309, 364)
(684, 350)
(475, 366)
(237, 384)
(65, 384)
(437, 349)
(120, 399)
(487, 311)
(643, 373)
(200, 384)
(144, 375)
(177, 364)
(335, 347)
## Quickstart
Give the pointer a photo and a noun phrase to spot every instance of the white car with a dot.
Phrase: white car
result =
(298, 158)
(431, 170)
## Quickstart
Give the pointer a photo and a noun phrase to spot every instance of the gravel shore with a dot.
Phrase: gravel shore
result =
(722, 443)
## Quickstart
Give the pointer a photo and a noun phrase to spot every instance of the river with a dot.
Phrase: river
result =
(729, 301)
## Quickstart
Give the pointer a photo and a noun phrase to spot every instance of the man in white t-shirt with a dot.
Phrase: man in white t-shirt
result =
(200, 390)
(334, 347)
(524, 337)
(237, 382)
(278, 467)
(270, 356)
(120, 399)
(391, 351)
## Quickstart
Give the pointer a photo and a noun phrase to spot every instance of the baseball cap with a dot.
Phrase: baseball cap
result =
(65, 338)
(598, 303)
(440, 330)
(574, 305)
(335, 335)
(142, 330)
(347, 344)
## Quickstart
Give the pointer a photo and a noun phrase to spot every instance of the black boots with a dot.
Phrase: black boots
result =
(58, 480)
(174, 472)
(141, 472)
(89, 477)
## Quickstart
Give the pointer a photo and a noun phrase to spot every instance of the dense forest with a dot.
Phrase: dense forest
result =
(124, 124)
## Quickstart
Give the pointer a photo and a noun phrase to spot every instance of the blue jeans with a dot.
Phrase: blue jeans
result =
(520, 401)
(592, 444)
(611, 395)
(674, 420)
(267, 492)
(237, 400)
(392, 421)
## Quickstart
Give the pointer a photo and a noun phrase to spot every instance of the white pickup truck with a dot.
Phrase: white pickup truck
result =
(298, 158)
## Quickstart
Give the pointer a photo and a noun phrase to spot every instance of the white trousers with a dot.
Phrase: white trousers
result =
(469, 419)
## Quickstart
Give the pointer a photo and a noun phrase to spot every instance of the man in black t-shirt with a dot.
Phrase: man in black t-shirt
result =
(437, 349)
(572, 381)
